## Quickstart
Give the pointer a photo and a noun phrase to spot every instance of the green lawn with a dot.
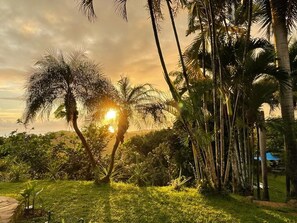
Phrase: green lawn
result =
(277, 189)
(120, 202)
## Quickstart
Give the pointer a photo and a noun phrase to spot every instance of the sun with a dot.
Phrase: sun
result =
(110, 114)
(111, 129)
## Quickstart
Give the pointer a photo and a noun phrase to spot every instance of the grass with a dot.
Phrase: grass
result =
(119, 202)
(277, 189)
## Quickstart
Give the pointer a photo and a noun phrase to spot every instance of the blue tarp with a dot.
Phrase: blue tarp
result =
(269, 157)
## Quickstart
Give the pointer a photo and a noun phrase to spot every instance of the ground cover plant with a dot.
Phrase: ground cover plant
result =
(119, 202)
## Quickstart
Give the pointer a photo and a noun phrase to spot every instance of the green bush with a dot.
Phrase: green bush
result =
(154, 158)
(57, 155)
(17, 171)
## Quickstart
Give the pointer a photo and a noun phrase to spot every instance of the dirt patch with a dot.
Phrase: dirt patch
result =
(272, 204)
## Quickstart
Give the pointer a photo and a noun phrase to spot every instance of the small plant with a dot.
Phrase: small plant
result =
(204, 187)
(179, 182)
(139, 174)
(102, 171)
(54, 170)
(29, 195)
(17, 171)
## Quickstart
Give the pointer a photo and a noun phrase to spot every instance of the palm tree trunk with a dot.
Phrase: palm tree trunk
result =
(286, 95)
(123, 125)
(262, 144)
(178, 45)
(157, 41)
(106, 178)
(257, 166)
(84, 142)
(214, 60)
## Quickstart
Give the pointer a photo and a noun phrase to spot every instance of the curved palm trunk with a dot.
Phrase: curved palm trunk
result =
(106, 178)
(84, 142)
(72, 115)
(123, 126)
(157, 41)
(286, 96)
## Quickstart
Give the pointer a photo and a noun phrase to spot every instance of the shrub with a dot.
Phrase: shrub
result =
(17, 171)
(154, 158)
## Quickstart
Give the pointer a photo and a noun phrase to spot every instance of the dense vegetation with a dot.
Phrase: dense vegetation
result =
(224, 78)
(156, 158)
(51, 156)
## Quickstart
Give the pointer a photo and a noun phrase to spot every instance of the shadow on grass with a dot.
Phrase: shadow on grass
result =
(118, 202)
(125, 203)
(245, 211)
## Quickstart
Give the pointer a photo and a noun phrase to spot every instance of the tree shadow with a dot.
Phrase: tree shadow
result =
(212, 208)
(119, 202)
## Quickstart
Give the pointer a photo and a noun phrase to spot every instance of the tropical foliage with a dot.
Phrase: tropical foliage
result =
(65, 81)
(244, 75)
(53, 156)
(132, 102)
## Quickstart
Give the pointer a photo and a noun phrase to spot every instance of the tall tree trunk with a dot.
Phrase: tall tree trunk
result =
(214, 60)
(262, 144)
(84, 142)
(178, 45)
(123, 125)
(173, 91)
(257, 166)
(286, 94)
(106, 178)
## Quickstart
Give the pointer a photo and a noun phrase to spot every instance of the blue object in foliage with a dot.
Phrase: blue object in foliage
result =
(269, 157)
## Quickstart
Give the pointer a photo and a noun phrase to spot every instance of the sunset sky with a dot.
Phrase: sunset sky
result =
(30, 28)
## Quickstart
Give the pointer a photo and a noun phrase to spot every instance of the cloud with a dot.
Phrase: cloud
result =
(30, 28)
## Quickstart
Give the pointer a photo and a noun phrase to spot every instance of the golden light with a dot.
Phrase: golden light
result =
(111, 129)
(111, 114)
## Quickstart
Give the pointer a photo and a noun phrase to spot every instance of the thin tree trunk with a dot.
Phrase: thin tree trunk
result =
(252, 160)
(230, 151)
(286, 95)
(123, 125)
(257, 166)
(198, 174)
(84, 142)
(212, 28)
(178, 45)
(173, 91)
(106, 179)
(157, 41)
(262, 144)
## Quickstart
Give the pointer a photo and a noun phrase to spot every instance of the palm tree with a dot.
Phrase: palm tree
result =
(236, 155)
(139, 101)
(64, 81)
(282, 15)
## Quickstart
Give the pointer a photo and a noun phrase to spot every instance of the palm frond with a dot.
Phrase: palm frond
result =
(293, 55)
(291, 14)
(121, 7)
(264, 13)
(87, 7)
(64, 80)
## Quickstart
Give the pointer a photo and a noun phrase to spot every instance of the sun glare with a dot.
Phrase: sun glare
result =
(111, 129)
(111, 114)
